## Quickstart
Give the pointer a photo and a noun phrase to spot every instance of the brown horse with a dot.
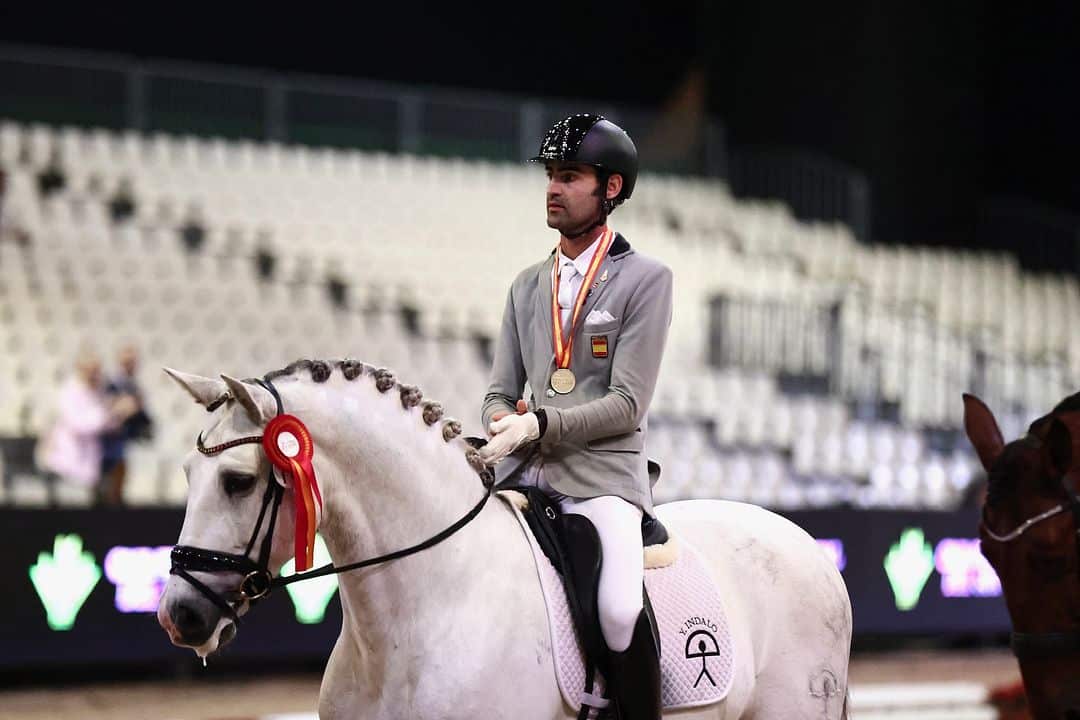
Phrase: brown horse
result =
(1029, 533)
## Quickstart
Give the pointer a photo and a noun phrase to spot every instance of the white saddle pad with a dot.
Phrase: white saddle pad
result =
(697, 659)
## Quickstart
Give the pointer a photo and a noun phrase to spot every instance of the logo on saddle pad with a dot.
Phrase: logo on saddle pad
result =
(701, 644)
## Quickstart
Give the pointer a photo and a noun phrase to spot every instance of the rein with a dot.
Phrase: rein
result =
(258, 579)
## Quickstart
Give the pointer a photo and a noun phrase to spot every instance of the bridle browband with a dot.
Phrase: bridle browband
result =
(215, 449)
(258, 579)
(1033, 645)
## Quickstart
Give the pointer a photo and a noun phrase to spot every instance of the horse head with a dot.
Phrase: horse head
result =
(1030, 521)
(236, 508)
(258, 489)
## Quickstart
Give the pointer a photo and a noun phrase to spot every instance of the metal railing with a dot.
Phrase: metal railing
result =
(119, 92)
(122, 92)
(815, 187)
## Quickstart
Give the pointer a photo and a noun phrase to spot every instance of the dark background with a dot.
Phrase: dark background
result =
(946, 107)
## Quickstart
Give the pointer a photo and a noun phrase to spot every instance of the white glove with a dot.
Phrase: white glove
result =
(508, 434)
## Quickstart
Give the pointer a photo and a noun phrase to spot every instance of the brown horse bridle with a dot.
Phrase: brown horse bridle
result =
(1049, 644)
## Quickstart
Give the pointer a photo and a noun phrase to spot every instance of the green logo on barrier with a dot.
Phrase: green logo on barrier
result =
(311, 597)
(908, 566)
(64, 580)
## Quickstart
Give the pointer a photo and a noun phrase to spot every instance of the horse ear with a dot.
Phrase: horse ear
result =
(982, 430)
(205, 390)
(256, 401)
(1059, 446)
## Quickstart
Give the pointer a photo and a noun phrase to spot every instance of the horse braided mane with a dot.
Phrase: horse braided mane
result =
(411, 396)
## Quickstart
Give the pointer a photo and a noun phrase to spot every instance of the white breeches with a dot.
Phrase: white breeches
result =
(618, 523)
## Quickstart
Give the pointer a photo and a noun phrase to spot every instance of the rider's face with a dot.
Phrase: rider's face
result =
(572, 200)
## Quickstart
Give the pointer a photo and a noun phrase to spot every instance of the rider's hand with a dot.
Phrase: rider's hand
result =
(522, 408)
(508, 434)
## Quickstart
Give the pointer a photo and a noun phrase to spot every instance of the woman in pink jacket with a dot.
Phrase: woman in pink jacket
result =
(72, 447)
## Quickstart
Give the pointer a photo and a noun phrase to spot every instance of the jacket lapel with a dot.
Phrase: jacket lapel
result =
(543, 299)
(605, 276)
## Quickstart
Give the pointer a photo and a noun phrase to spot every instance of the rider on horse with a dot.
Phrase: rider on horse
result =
(586, 329)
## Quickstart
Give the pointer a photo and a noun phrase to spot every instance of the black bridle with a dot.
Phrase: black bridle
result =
(1049, 644)
(258, 580)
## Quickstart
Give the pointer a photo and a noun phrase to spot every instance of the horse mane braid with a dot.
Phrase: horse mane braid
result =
(433, 412)
(352, 369)
(451, 429)
(384, 379)
(411, 395)
(320, 371)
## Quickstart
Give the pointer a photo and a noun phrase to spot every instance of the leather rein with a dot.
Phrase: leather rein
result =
(258, 579)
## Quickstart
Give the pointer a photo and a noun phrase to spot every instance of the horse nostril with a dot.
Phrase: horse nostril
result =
(227, 634)
(190, 624)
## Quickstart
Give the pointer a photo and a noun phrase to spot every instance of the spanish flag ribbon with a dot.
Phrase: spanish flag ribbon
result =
(564, 345)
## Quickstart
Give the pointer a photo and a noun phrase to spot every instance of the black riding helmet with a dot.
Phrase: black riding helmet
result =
(592, 140)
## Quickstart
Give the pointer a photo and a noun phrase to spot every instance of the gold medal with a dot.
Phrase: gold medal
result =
(563, 381)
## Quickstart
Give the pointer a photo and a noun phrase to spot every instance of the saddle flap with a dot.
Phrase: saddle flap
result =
(572, 545)
(582, 583)
(697, 658)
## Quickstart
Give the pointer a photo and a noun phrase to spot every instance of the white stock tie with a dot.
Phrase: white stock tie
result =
(567, 274)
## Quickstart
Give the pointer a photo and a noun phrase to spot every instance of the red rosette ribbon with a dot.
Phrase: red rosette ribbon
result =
(288, 444)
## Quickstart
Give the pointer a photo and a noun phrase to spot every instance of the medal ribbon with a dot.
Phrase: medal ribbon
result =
(564, 347)
(305, 486)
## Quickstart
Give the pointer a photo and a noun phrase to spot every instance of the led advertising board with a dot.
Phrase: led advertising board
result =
(82, 586)
(912, 572)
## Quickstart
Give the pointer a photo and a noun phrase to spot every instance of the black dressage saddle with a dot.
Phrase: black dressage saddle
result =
(572, 544)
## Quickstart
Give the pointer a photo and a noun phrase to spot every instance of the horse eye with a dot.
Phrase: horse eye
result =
(237, 483)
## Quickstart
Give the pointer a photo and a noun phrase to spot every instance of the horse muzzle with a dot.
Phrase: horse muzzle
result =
(193, 622)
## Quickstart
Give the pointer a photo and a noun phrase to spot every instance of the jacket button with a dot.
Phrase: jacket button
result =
(550, 393)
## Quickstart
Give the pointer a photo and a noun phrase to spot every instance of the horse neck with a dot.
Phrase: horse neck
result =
(391, 482)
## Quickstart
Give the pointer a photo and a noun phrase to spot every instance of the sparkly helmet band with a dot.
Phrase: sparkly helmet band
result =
(564, 139)
(592, 140)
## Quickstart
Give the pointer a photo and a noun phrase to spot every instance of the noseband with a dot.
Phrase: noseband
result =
(258, 580)
(1051, 644)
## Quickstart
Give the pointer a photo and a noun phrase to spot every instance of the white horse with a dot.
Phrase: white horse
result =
(460, 630)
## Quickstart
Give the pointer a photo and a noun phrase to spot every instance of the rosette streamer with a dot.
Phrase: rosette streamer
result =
(289, 446)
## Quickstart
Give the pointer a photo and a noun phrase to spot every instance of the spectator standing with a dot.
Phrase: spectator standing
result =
(71, 448)
(137, 426)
